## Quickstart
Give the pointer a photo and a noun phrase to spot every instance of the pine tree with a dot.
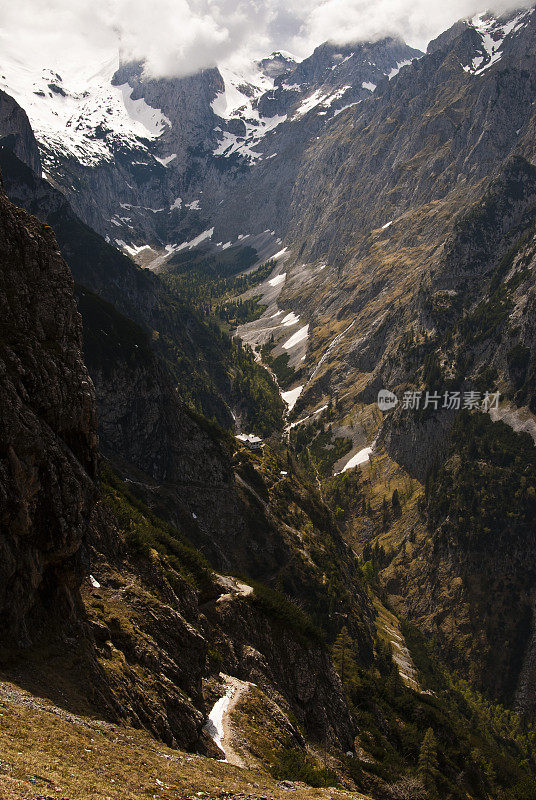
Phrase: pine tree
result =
(428, 766)
(484, 769)
(394, 684)
(344, 657)
(386, 517)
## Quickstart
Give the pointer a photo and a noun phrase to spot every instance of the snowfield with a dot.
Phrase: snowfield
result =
(291, 397)
(493, 35)
(237, 100)
(297, 338)
(67, 104)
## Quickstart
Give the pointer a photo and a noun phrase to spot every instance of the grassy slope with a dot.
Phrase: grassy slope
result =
(44, 754)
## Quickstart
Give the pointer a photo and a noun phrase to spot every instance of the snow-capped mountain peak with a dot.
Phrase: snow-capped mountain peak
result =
(79, 114)
(238, 102)
(493, 32)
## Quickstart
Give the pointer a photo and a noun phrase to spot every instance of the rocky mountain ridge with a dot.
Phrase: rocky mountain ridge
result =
(148, 163)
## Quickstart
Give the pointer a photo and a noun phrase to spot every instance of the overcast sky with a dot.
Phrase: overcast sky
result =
(178, 37)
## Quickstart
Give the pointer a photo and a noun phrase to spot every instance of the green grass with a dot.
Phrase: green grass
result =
(144, 531)
(295, 765)
(283, 611)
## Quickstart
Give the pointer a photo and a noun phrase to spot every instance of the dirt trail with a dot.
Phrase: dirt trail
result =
(239, 688)
(220, 727)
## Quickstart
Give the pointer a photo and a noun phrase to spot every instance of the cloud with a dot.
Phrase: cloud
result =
(416, 21)
(180, 37)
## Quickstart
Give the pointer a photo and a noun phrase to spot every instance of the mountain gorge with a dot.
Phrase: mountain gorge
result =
(348, 601)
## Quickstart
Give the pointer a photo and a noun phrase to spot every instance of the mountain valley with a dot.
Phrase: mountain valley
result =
(228, 569)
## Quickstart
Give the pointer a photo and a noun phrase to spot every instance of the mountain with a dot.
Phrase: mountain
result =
(58, 515)
(149, 163)
(49, 445)
(347, 604)
(177, 332)
(411, 259)
(132, 655)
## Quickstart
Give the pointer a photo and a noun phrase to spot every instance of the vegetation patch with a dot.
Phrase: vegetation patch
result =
(292, 764)
(283, 611)
(144, 531)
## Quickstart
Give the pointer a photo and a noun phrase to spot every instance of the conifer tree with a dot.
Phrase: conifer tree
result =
(428, 765)
(343, 657)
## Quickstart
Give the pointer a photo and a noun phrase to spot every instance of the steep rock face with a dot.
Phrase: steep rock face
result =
(141, 419)
(309, 100)
(377, 202)
(47, 429)
(412, 143)
(15, 125)
(415, 220)
(163, 625)
(296, 674)
(470, 581)
(136, 293)
(338, 75)
(186, 103)
(143, 652)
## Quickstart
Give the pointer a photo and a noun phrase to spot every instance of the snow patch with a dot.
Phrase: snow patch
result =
(317, 98)
(167, 160)
(238, 100)
(291, 397)
(214, 725)
(278, 280)
(290, 319)
(297, 338)
(493, 35)
(134, 250)
(203, 237)
(397, 69)
(361, 457)
(152, 119)
(340, 110)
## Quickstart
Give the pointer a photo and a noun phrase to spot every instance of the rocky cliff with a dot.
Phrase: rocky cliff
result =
(48, 429)
(16, 131)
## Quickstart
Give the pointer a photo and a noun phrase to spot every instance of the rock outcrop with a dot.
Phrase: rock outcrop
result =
(48, 443)
(16, 130)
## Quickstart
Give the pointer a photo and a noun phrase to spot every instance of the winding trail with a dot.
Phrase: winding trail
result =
(219, 726)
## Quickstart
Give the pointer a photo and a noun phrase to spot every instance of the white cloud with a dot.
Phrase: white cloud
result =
(415, 21)
(179, 37)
